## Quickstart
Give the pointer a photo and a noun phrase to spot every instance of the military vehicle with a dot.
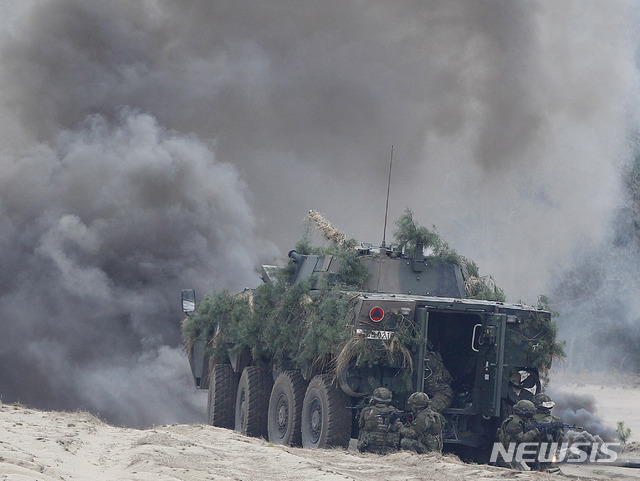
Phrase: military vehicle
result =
(404, 307)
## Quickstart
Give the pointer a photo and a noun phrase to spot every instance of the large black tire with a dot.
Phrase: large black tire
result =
(223, 384)
(285, 409)
(252, 400)
(326, 421)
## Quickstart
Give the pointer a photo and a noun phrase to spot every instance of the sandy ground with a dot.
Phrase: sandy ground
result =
(616, 398)
(614, 404)
(46, 446)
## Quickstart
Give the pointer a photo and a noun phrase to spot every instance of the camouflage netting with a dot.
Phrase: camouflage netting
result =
(312, 330)
(329, 231)
(294, 326)
(394, 352)
(409, 235)
(537, 340)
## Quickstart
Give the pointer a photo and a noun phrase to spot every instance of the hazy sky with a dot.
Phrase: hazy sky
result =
(147, 146)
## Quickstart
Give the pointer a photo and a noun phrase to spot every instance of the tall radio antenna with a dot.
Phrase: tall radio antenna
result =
(386, 209)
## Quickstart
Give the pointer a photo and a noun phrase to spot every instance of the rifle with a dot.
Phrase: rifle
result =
(358, 406)
(404, 416)
(546, 427)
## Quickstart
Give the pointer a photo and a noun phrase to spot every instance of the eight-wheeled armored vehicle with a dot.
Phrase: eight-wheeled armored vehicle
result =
(405, 307)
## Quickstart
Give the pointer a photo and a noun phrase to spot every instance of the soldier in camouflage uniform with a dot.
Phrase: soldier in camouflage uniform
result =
(437, 381)
(378, 431)
(544, 404)
(512, 430)
(424, 432)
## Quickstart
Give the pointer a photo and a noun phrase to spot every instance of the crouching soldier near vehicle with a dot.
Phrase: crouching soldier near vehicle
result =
(424, 432)
(437, 381)
(550, 436)
(378, 425)
(544, 405)
(513, 430)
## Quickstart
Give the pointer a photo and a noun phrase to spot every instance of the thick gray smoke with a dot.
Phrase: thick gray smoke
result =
(100, 229)
(150, 146)
(582, 411)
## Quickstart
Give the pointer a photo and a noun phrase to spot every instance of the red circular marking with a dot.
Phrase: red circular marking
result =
(376, 314)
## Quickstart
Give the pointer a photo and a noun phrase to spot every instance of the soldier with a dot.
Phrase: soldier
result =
(544, 404)
(378, 428)
(437, 381)
(424, 432)
(512, 430)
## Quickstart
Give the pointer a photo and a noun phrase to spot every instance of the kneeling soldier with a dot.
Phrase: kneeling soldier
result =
(424, 432)
(513, 430)
(378, 427)
(552, 437)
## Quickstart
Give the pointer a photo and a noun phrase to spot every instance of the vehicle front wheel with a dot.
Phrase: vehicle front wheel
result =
(252, 400)
(223, 383)
(326, 421)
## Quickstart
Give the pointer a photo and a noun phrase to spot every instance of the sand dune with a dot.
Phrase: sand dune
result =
(47, 446)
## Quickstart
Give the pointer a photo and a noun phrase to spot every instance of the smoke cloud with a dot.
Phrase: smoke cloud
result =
(582, 411)
(101, 228)
(151, 146)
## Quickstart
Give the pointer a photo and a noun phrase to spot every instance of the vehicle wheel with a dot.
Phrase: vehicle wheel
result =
(222, 388)
(252, 400)
(285, 409)
(326, 421)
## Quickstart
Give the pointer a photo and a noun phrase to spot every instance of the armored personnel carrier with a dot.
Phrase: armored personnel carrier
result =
(292, 359)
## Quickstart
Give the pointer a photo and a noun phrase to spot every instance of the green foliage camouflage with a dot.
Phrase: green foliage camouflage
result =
(409, 234)
(312, 330)
(352, 272)
(536, 339)
(291, 325)
(233, 312)
(395, 352)
(480, 287)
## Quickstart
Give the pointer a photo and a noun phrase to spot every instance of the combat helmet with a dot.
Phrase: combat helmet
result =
(542, 401)
(382, 395)
(524, 408)
(418, 400)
